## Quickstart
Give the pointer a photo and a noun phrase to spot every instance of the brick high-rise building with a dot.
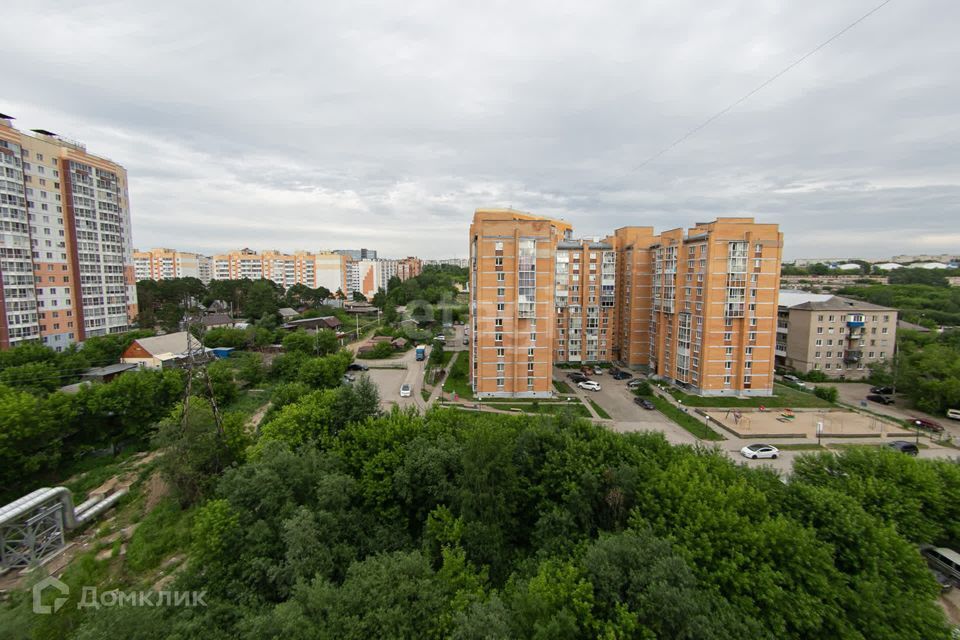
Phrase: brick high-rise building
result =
(714, 318)
(698, 309)
(286, 269)
(66, 256)
(512, 313)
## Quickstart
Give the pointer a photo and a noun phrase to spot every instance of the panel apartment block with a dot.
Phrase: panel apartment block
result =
(166, 264)
(66, 256)
(839, 336)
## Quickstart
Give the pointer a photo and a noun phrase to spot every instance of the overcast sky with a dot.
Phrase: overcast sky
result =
(309, 125)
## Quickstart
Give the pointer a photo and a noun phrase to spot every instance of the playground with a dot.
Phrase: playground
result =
(788, 423)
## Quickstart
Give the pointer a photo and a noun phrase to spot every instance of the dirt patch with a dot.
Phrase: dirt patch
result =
(155, 489)
(254, 423)
(950, 602)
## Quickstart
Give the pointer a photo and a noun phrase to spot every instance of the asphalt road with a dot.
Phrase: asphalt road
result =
(389, 380)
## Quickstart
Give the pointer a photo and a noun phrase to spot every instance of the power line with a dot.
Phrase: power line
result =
(758, 88)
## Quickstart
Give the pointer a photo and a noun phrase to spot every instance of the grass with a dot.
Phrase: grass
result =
(685, 420)
(549, 409)
(424, 394)
(250, 400)
(600, 410)
(562, 387)
(163, 531)
(783, 397)
(458, 379)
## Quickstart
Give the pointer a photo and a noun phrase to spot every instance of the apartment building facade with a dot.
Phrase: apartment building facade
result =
(713, 322)
(409, 267)
(302, 267)
(839, 336)
(66, 257)
(165, 264)
(512, 297)
(697, 309)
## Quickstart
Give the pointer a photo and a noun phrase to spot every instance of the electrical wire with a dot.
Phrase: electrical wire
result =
(758, 88)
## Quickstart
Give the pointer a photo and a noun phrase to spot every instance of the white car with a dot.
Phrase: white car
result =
(754, 451)
(589, 385)
(405, 391)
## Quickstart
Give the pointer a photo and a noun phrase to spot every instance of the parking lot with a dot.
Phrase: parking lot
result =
(626, 416)
(389, 380)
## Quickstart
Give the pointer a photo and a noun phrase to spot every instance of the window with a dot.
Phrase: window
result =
(501, 352)
(498, 261)
(728, 365)
(819, 343)
(498, 246)
(500, 306)
(500, 292)
(726, 380)
(500, 382)
(820, 330)
(884, 330)
(501, 277)
(498, 337)
(816, 355)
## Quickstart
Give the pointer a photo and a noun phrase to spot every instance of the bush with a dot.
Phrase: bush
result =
(643, 389)
(380, 350)
(827, 393)
(814, 376)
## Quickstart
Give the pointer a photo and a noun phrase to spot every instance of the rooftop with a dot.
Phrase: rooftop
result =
(825, 302)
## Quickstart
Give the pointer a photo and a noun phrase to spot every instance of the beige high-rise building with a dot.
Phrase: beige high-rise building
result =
(66, 256)
(839, 336)
(165, 264)
(302, 267)
(696, 308)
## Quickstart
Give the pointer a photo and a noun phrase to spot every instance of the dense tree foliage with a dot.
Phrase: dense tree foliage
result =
(918, 303)
(38, 432)
(926, 369)
(488, 526)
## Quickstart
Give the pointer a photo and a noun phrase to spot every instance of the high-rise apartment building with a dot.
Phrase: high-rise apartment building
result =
(696, 308)
(713, 323)
(357, 254)
(513, 258)
(165, 264)
(409, 267)
(66, 259)
(310, 269)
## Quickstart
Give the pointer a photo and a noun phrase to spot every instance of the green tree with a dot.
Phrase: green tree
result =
(299, 341)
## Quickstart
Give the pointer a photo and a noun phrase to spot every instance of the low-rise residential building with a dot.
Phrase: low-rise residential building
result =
(161, 352)
(839, 336)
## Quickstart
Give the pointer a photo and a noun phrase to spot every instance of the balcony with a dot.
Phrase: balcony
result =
(852, 357)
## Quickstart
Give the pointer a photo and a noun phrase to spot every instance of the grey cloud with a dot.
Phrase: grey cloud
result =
(309, 125)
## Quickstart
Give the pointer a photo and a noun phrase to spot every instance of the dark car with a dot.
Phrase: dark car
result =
(929, 425)
(621, 375)
(357, 366)
(875, 397)
(577, 377)
(884, 391)
(904, 447)
(646, 404)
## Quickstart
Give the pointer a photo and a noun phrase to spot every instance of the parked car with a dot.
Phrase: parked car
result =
(347, 379)
(944, 560)
(357, 366)
(589, 385)
(405, 391)
(441, 338)
(754, 451)
(636, 382)
(598, 371)
(875, 397)
(884, 391)
(466, 341)
(953, 414)
(795, 380)
(929, 425)
(577, 377)
(903, 446)
(646, 404)
(621, 375)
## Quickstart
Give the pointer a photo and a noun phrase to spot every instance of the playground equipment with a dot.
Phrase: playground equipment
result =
(33, 528)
